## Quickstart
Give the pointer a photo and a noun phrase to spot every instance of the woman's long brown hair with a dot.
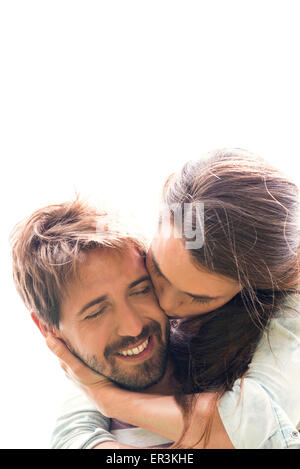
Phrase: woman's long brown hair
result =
(251, 235)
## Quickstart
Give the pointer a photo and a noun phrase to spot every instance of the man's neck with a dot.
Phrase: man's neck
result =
(164, 386)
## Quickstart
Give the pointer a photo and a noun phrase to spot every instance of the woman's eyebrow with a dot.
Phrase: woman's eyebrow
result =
(156, 266)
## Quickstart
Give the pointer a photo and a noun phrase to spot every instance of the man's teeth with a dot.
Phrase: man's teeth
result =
(136, 350)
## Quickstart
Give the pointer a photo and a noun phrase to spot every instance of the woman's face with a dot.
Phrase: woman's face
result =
(183, 289)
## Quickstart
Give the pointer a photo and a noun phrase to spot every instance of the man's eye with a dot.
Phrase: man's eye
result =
(95, 315)
(144, 291)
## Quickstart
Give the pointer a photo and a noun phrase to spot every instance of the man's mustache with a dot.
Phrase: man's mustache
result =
(127, 342)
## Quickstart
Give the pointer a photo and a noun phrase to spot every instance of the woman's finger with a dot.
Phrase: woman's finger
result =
(73, 367)
(63, 365)
(61, 350)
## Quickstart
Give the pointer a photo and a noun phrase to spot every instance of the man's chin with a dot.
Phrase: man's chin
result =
(137, 385)
(146, 375)
(132, 378)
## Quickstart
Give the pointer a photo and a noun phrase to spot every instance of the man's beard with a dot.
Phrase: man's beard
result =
(135, 377)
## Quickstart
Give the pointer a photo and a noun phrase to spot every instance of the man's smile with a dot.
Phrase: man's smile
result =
(142, 350)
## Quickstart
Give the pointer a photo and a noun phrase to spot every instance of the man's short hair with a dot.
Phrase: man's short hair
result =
(47, 248)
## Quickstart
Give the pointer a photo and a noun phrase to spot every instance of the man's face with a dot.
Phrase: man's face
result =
(111, 320)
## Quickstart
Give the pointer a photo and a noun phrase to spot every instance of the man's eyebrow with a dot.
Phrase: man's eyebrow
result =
(100, 299)
(138, 281)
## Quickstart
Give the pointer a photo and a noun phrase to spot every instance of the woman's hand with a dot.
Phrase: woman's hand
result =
(96, 386)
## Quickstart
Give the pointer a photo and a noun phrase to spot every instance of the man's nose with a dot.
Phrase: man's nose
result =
(129, 322)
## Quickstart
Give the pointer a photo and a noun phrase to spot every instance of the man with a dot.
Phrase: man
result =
(111, 320)
(88, 285)
(85, 282)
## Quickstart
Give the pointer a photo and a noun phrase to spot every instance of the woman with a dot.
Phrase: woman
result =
(239, 284)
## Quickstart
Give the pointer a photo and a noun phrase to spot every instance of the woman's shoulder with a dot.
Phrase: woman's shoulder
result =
(285, 324)
(289, 307)
(283, 331)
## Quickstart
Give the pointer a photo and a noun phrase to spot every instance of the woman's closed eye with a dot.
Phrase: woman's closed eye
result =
(200, 300)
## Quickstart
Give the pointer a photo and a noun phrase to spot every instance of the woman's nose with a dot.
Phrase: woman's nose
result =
(168, 300)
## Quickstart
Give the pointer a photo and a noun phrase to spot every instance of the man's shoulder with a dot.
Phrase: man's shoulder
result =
(136, 436)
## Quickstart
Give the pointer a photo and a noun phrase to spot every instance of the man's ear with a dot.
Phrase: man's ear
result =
(43, 327)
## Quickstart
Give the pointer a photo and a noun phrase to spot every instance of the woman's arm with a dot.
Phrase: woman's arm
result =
(157, 414)
(81, 425)
(161, 415)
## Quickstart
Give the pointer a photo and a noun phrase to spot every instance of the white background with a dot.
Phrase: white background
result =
(108, 98)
